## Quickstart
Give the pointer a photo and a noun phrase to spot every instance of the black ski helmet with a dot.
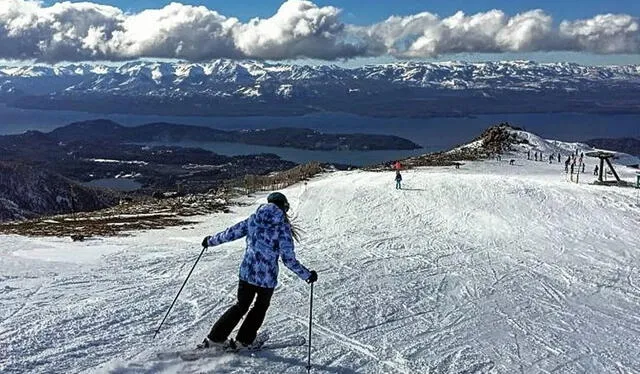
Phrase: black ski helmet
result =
(279, 199)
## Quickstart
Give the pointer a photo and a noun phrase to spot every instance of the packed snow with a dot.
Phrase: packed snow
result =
(488, 268)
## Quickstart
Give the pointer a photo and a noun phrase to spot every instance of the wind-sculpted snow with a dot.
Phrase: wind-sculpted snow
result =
(488, 268)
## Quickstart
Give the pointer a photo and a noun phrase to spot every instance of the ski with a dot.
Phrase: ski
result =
(196, 354)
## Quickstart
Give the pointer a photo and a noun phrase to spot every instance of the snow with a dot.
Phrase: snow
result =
(128, 175)
(109, 161)
(249, 91)
(61, 250)
(535, 143)
(229, 78)
(548, 146)
(474, 145)
(488, 268)
(284, 90)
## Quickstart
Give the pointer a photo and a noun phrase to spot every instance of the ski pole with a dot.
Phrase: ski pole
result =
(176, 298)
(310, 318)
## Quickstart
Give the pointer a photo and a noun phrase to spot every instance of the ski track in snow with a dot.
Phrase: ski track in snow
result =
(487, 269)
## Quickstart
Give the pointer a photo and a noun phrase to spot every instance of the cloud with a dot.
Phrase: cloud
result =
(427, 35)
(299, 29)
(29, 31)
(175, 31)
(607, 33)
(528, 32)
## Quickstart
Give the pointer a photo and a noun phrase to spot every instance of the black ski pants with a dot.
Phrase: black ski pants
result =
(229, 320)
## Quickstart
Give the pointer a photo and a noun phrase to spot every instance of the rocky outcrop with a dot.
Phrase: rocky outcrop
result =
(499, 138)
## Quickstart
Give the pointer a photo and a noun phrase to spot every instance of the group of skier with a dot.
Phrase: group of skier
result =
(572, 165)
(537, 156)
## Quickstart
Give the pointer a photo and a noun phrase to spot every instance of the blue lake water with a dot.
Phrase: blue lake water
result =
(434, 134)
(120, 184)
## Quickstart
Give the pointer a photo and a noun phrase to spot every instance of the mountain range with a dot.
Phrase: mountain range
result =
(403, 89)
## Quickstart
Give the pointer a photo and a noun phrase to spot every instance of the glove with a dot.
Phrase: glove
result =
(205, 241)
(313, 277)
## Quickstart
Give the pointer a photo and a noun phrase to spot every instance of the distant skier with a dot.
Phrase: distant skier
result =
(595, 171)
(270, 236)
(551, 158)
(398, 180)
(529, 154)
(535, 156)
(566, 164)
(583, 165)
(559, 159)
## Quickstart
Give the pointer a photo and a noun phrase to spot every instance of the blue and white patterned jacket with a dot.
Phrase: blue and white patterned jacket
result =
(268, 237)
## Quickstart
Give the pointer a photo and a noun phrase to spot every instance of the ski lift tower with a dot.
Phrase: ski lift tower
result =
(605, 157)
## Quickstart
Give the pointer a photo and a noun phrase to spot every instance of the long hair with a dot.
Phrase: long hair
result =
(295, 228)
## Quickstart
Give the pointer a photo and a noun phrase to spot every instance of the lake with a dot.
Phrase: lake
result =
(434, 134)
(120, 184)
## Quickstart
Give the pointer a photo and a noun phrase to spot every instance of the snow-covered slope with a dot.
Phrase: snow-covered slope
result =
(488, 268)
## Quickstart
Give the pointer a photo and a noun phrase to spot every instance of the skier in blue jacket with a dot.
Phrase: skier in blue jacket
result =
(269, 236)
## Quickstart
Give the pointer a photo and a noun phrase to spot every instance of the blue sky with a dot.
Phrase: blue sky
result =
(616, 40)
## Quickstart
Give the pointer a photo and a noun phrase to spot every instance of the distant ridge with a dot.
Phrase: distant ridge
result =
(101, 130)
(250, 88)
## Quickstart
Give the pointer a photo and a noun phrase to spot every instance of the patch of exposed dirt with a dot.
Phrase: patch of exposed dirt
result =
(141, 215)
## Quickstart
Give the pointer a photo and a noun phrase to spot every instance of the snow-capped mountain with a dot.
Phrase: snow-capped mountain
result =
(325, 86)
(162, 77)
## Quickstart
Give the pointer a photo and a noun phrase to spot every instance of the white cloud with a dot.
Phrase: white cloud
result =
(427, 35)
(30, 31)
(298, 29)
(175, 31)
(527, 32)
(607, 33)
